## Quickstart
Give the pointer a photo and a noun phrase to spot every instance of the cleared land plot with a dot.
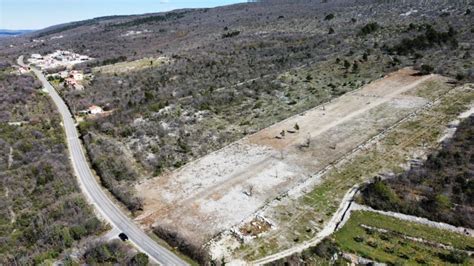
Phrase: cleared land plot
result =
(227, 187)
(300, 217)
(387, 239)
(124, 67)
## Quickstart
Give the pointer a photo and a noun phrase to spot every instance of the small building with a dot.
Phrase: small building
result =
(37, 56)
(23, 70)
(72, 83)
(94, 109)
(64, 74)
(76, 75)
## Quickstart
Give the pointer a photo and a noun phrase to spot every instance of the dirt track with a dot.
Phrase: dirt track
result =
(226, 187)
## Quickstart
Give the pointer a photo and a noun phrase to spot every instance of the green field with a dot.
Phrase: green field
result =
(386, 239)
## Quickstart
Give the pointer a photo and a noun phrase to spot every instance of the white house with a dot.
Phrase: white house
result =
(94, 109)
(64, 74)
(37, 56)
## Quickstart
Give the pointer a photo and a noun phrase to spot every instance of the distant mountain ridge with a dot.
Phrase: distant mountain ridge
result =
(9, 33)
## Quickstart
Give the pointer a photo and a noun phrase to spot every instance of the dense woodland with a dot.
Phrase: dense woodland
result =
(42, 211)
(442, 189)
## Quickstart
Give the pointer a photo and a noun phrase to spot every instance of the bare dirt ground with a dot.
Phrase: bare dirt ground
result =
(227, 187)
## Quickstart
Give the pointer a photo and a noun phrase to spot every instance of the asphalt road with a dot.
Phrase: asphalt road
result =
(93, 190)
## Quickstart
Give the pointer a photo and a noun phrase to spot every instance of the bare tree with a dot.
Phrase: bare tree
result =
(249, 191)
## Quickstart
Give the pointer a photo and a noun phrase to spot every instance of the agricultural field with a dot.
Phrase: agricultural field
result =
(389, 240)
(372, 237)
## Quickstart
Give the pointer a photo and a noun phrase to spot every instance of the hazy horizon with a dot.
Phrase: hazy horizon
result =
(39, 14)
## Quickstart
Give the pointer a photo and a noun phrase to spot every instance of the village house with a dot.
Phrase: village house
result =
(76, 75)
(37, 56)
(23, 70)
(94, 109)
(58, 58)
(64, 74)
(72, 83)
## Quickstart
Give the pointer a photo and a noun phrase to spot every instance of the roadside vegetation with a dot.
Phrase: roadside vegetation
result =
(43, 215)
(114, 253)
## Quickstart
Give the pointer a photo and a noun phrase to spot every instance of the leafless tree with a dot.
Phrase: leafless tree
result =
(249, 191)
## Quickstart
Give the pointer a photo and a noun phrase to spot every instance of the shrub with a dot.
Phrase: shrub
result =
(454, 256)
(425, 41)
(369, 28)
(325, 249)
(426, 69)
(372, 243)
(140, 259)
(230, 34)
(389, 250)
(347, 65)
(460, 76)
(329, 17)
(152, 19)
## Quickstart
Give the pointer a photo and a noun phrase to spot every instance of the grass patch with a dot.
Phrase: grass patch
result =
(387, 241)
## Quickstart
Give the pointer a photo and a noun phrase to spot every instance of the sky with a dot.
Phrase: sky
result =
(38, 14)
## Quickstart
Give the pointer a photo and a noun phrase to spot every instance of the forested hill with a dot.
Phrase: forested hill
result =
(9, 33)
(229, 71)
(201, 31)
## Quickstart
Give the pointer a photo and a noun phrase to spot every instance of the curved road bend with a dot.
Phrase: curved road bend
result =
(94, 191)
